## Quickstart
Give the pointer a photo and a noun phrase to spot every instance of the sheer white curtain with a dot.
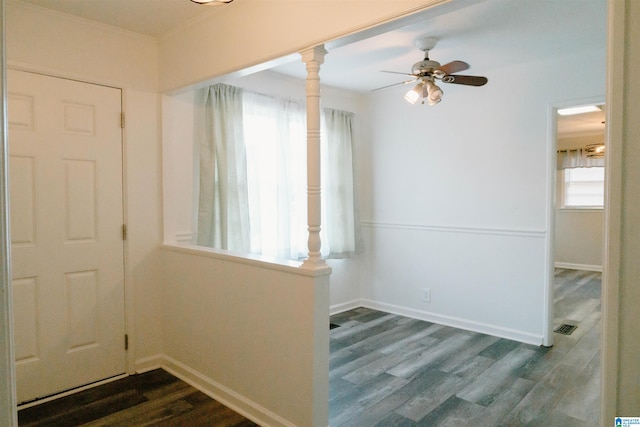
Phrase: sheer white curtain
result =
(275, 136)
(223, 208)
(253, 175)
(339, 234)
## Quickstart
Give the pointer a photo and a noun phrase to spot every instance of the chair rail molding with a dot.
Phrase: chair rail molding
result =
(456, 229)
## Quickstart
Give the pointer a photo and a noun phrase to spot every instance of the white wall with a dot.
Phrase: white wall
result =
(578, 232)
(56, 42)
(52, 43)
(178, 168)
(578, 239)
(252, 333)
(458, 196)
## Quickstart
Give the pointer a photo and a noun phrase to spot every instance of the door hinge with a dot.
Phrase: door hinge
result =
(122, 120)
(124, 231)
(126, 342)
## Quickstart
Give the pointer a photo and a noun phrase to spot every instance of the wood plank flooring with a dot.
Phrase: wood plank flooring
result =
(154, 398)
(388, 370)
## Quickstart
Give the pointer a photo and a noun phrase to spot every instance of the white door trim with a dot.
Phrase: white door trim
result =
(611, 263)
(8, 414)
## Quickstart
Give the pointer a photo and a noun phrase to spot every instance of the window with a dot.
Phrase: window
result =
(583, 188)
(252, 167)
(275, 140)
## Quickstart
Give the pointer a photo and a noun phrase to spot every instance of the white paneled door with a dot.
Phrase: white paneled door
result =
(65, 146)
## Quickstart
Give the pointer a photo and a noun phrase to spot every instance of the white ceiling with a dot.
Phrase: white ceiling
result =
(581, 124)
(478, 32)
(483, 34)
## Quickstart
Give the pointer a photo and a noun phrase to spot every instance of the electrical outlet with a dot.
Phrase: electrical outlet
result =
(426, 295)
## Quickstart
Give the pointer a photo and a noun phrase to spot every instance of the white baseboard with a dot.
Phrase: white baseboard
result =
(149, 363)
(224, 395)
(483, 328)
(345, 306)
(571, 266)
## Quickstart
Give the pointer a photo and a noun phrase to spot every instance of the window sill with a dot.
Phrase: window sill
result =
(583, 210)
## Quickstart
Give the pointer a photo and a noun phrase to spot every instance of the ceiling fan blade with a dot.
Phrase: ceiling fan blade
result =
(465, 80)
(395, 84)
(454, 67)
(397, 72)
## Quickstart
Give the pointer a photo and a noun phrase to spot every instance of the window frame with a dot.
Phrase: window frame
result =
(563, 194)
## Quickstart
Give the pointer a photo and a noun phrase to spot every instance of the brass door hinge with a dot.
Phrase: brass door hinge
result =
(124, 231)
(126, 342)
(122, 120)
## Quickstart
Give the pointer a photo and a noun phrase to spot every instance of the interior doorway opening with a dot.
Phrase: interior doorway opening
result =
(576, 226)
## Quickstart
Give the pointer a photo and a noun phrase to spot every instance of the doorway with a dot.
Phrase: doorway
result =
(65, 162)
(576, 140)
(579, 195)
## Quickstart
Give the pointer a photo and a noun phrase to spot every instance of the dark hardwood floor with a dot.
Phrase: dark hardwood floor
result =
(154, 398)
(388, 370)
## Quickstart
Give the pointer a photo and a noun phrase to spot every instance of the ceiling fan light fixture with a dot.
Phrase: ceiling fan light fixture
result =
(414, 94)
(434, 93)
(425, 72)
(212, 2)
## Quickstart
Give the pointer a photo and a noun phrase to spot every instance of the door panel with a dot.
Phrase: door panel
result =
(65, 148)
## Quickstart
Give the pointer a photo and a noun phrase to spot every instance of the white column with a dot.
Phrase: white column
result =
(8, 415)
(313, 58)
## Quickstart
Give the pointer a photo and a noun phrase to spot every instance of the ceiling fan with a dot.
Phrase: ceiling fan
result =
(426, 72)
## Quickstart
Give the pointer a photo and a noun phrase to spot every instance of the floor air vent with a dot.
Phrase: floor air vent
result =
(565, 329)
(333, 326)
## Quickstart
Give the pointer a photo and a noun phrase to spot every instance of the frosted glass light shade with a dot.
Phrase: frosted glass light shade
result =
(414, 94)
(435, 93)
